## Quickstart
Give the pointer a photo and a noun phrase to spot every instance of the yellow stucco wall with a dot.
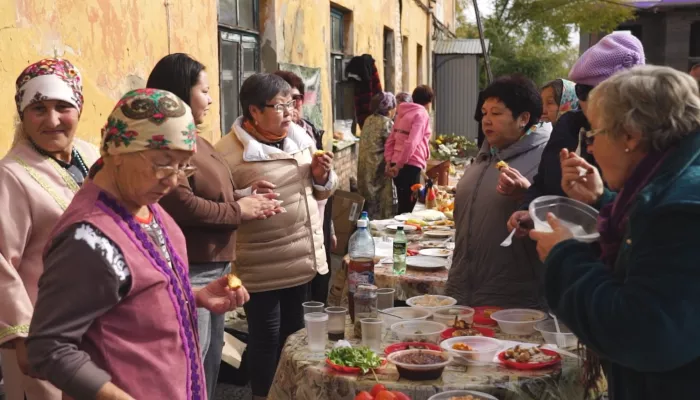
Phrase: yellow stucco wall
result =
(298, 32)
(114, 43)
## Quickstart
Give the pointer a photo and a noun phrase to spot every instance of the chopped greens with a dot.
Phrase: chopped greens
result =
(358, 357)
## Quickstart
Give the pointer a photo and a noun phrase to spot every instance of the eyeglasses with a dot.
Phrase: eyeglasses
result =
(281, 107)
(298, 97)
(589, 136)
(166, 171)
(582, 91)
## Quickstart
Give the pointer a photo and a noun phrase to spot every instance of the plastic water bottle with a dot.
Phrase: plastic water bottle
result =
(361, 267)
(400, 246)
(364, 216)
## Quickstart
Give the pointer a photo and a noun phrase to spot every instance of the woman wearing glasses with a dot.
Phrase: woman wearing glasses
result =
(613, 53)
(276, 258)
(206, 205)
(116, 315)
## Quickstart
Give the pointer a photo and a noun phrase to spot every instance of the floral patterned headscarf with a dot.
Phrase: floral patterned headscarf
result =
(49, 79)
(382, 103)
(148, 119)
(568, 101)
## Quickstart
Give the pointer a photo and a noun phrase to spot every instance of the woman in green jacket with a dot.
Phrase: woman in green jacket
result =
(635, 303)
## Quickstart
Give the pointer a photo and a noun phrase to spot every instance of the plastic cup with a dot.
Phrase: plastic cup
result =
(312, 306)
(385, 298)
(336, 322)
(316, 330)
(372, 333)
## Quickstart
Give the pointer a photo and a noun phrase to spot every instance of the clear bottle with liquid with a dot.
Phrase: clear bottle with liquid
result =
(361, 266)
(400, 247)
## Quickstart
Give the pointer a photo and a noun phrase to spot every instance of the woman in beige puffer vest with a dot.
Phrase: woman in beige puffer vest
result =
(276, 258)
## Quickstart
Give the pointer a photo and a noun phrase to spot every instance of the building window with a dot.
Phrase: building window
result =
(405, 72)
(342, 90)
(389, 57)
(239, 14)
(419, 65)
(239, 54)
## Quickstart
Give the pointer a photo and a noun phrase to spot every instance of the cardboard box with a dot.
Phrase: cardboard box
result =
(347, 208)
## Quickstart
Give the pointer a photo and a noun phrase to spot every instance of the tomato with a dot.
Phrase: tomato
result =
(376, 389)
(400, 396)
(385, 395)
(364, 395)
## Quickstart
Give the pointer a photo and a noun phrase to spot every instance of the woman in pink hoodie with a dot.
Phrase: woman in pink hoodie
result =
(406, 151)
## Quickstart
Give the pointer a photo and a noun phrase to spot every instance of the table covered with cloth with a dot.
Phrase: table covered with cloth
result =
(303, 375)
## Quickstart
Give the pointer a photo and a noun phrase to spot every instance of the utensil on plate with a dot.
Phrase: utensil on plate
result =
(390, 314)
(560, 340)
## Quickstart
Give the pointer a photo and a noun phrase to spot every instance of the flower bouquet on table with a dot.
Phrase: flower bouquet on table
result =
(449, 147)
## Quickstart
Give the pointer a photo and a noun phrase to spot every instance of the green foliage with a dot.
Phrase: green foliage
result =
(532, 36)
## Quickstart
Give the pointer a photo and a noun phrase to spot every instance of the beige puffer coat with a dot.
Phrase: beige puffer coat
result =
(285, 250)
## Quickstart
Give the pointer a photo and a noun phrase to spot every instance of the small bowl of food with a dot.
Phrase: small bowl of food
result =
(518, 321)
(564, 338)
(431, 301)
(418, 331)
(451, 314)
(420, 365)
(399, 314)
(462, 395)
(473, 349)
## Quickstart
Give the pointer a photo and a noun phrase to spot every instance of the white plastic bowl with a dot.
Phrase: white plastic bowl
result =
(485, 348)
(406, 314)
(581, 218)
(442, 301)
(418, 372)
(518, 321)
(459, 393)
(549, 332)
(447, 314)
(418, 331)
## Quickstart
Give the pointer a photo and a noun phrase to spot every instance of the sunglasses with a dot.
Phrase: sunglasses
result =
(582, 91)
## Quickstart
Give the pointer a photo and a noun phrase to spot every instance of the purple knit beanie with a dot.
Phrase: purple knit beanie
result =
(614, 52)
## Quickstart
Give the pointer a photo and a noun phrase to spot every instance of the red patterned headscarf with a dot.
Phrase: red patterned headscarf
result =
(49, 79)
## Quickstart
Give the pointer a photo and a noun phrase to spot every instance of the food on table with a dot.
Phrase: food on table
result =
(449, 215)
(414, 221)
(420, 358)
(319, 152)
(364, 395)
(420, 365)
(444, 222)
(233, 282)
(376, 389)
(487, 313)
(432, 301)
(466, 332)
(432, 244)
(400, 396)
(531, 355)
(356, 357)
(501, 164)
(380, 392)
(467, 397)
(462, 347)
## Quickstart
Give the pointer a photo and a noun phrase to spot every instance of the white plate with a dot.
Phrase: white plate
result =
(435, 252)
(433, 244)
(403, 217)
(439, 234)
(429, 215)
(406, 228)
(440, 228)
(426, 262)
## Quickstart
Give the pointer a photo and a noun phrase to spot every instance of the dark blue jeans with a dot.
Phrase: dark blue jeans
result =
(272, 317)
(210, 325)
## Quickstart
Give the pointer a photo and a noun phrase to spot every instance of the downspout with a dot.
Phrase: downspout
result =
(429, 43)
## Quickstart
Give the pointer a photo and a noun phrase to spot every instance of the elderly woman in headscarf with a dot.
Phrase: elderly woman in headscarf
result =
(634, 300)
(279, 256)
(558, 98)
(38, 178)
(116, 315)
(372, 183)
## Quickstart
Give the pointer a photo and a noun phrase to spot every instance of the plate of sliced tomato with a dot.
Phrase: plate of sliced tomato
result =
(530, 365)
(447, 333)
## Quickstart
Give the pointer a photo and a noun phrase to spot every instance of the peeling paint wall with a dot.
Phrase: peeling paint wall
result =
(298, 32)
(114, 43)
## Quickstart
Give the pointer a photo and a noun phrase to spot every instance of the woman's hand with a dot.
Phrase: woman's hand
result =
(110, 391)
(20, 347)
(580, 180)
(260, 206)
(547, 240)
(521, 221)
(321, 165)
(511, 182)
(262, 187)
(218, 298)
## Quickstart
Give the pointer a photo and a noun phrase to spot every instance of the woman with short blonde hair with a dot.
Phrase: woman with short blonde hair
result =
(635, 302)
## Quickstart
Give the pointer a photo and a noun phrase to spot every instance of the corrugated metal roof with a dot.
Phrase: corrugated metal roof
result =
(459, 46)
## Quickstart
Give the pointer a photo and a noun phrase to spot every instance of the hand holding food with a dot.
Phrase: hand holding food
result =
(233, 282)
(501, 164)
(321, 165)
(511, 182)
(218, 298)
(580, 180)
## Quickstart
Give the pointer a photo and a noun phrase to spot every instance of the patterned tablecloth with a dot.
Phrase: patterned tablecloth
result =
(303, 375)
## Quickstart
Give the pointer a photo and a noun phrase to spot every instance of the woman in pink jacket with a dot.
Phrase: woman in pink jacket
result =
(407, 150)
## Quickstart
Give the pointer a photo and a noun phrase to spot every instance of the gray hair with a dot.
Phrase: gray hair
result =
(260, 88)
(661, 103)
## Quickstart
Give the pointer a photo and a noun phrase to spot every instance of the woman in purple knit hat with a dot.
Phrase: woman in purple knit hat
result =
(613, 53)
